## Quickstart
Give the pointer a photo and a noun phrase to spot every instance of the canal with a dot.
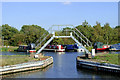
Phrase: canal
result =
(64, 66)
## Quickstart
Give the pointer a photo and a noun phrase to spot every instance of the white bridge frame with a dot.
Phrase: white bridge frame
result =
(71, 36)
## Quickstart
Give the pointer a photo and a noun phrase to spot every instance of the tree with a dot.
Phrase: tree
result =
(108, 33)
(8, 32)
(85, 23)
(32, 33)
(86, 30)
(98, 33)
(17, 39)
(116, 33)
(98, 29)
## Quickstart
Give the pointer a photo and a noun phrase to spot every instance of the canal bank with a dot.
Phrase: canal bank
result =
(26, 66)
(99, 65)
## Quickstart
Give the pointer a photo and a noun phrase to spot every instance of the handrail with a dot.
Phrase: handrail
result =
(42, 40)
(78, 36)
(44, 34)
(81, 38)
(82, 35)
(45, 45)
(43, 37)
(80, 44)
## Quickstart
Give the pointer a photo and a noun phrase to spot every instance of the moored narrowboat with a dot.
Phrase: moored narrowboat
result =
(22, 48)
(55, 48)
(78, 48)
(27, 48)
(99, 46)
(69, 48)
(115, 47)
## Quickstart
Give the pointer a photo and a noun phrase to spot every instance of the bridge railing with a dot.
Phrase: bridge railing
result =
(86, 39)
(61, 30)
(79, 36)
(43, 38)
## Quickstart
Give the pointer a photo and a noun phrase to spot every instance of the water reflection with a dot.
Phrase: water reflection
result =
(60, 52)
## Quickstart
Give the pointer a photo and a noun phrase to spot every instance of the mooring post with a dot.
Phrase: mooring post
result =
(93, 53)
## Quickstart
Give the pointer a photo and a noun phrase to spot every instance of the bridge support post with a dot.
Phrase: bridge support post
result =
(70, 33)
(53, 34)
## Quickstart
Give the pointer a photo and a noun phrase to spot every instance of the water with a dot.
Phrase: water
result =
(64, 66)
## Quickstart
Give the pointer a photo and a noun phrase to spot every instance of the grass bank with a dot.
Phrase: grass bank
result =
(108, 58)
(17, 59)
(10, 48)
(89, 48)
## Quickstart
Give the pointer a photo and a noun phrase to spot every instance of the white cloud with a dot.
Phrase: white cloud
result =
(66, 2)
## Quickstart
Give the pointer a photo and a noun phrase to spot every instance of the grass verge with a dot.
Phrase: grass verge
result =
(11, 48)
(107, 58)
(17, 59)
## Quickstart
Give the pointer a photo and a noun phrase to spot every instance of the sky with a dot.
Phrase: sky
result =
(45, 14)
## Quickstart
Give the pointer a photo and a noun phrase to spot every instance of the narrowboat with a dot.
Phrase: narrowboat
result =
(115, 47)
(22, 48)
(69, 48)
(78, 48)
(27, 48)
(55, 48)
(99, 46)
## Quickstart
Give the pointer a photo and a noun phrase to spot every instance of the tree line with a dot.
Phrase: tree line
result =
(31, 33)
(27, 34)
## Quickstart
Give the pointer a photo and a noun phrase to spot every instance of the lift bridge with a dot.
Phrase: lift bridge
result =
(71, 32)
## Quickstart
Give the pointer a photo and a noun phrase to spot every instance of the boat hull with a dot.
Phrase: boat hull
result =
(54, 50)
(32, 51)
(102, 49)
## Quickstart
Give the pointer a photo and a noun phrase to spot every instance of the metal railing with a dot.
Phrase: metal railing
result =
(88, 41)
(46, 38)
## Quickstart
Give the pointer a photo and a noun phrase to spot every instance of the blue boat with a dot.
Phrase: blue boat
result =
(115, 47)
(69, 48)
(78, 48)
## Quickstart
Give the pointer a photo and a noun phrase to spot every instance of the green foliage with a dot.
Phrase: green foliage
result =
(108, 33)
(8, 32)
(17, 39)
(28, 34)
(97, 33)
(9, 48)
(89, 48)
(31, 33)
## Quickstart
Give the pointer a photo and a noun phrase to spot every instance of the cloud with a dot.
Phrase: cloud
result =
(66, 2)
